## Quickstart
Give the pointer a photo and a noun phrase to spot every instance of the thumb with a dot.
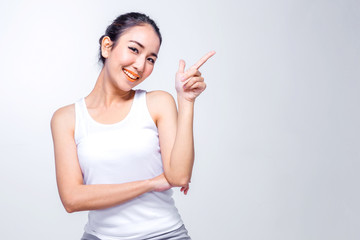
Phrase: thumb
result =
(181, 66)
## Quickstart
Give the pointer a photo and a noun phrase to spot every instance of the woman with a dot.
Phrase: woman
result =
(107, 145)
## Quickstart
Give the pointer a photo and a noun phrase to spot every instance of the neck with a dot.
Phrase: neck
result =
(106, 94)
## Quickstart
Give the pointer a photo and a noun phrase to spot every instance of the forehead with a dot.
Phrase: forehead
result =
(144, 34)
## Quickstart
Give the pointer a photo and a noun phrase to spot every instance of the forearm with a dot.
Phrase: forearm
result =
(100, 196)
(182, 155)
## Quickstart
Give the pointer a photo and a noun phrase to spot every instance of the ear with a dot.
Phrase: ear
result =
(106, 44)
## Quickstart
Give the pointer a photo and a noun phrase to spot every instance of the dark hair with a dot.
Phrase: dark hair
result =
(123, 23)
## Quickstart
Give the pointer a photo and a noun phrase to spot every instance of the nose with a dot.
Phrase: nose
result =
(139, 64)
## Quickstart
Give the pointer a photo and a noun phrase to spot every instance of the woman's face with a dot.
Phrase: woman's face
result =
(132, 59)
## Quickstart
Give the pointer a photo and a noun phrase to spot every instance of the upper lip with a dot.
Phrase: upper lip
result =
(133, 73)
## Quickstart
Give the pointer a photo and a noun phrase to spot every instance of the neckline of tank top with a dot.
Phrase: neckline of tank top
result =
(111, 124)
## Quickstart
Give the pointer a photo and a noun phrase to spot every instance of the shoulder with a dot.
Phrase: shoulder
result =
(64, 118)
(159, 96)
(160, 103)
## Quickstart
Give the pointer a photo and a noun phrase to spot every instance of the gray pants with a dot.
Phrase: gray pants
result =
(178, 234)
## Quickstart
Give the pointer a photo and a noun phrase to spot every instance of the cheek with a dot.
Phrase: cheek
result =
(126, 58)
(123, 57)
(149, 70)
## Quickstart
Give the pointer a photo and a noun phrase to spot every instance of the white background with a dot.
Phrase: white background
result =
(277, 130)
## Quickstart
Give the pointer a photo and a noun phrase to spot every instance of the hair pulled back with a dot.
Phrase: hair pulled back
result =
(123, 23)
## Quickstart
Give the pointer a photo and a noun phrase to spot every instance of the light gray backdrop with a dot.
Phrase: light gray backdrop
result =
(277, 130)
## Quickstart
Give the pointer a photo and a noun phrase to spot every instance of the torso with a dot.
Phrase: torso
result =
(124, 151)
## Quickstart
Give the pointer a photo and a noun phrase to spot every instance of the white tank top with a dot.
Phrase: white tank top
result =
(123, 152)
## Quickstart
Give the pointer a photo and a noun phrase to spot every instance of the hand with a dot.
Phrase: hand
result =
(186, 188)
(189, 84)
(160, 183)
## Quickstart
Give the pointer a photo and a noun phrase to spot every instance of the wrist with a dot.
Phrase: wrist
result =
(150, 185)
(185, 106)
(183, 100)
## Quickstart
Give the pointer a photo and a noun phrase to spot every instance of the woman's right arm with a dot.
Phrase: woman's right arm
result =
(76, 196)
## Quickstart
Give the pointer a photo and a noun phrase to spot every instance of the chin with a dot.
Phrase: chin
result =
(127, 86)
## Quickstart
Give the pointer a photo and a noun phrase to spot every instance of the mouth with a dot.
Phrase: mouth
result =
(132, 77)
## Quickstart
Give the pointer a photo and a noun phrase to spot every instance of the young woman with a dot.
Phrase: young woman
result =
(119, 151)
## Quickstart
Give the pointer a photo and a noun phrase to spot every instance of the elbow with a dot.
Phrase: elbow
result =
(181, 181)
(69, 209)
(70, 204)
(177, 177)
(72, 199)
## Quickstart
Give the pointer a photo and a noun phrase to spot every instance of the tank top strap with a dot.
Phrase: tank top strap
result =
(140, 108)
(139, 98)
(81, 124)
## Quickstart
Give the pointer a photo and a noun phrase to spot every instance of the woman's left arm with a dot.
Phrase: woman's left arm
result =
(176, 127)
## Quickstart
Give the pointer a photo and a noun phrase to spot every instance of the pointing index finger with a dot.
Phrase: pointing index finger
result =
(203, 60)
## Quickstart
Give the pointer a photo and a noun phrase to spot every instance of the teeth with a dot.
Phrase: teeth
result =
(130, 75)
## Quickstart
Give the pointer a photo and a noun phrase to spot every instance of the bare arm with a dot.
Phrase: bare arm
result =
(175, 135)
(176, 128)
(76, 196)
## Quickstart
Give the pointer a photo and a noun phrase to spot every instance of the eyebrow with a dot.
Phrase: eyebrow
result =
(142, 46)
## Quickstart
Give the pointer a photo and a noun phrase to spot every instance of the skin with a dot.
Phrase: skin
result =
(109, 102)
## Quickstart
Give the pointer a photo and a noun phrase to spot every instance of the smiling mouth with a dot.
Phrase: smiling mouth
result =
(131, 75)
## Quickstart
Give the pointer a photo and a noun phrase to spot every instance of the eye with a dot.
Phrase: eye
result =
(134, 49)
(151, 60)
